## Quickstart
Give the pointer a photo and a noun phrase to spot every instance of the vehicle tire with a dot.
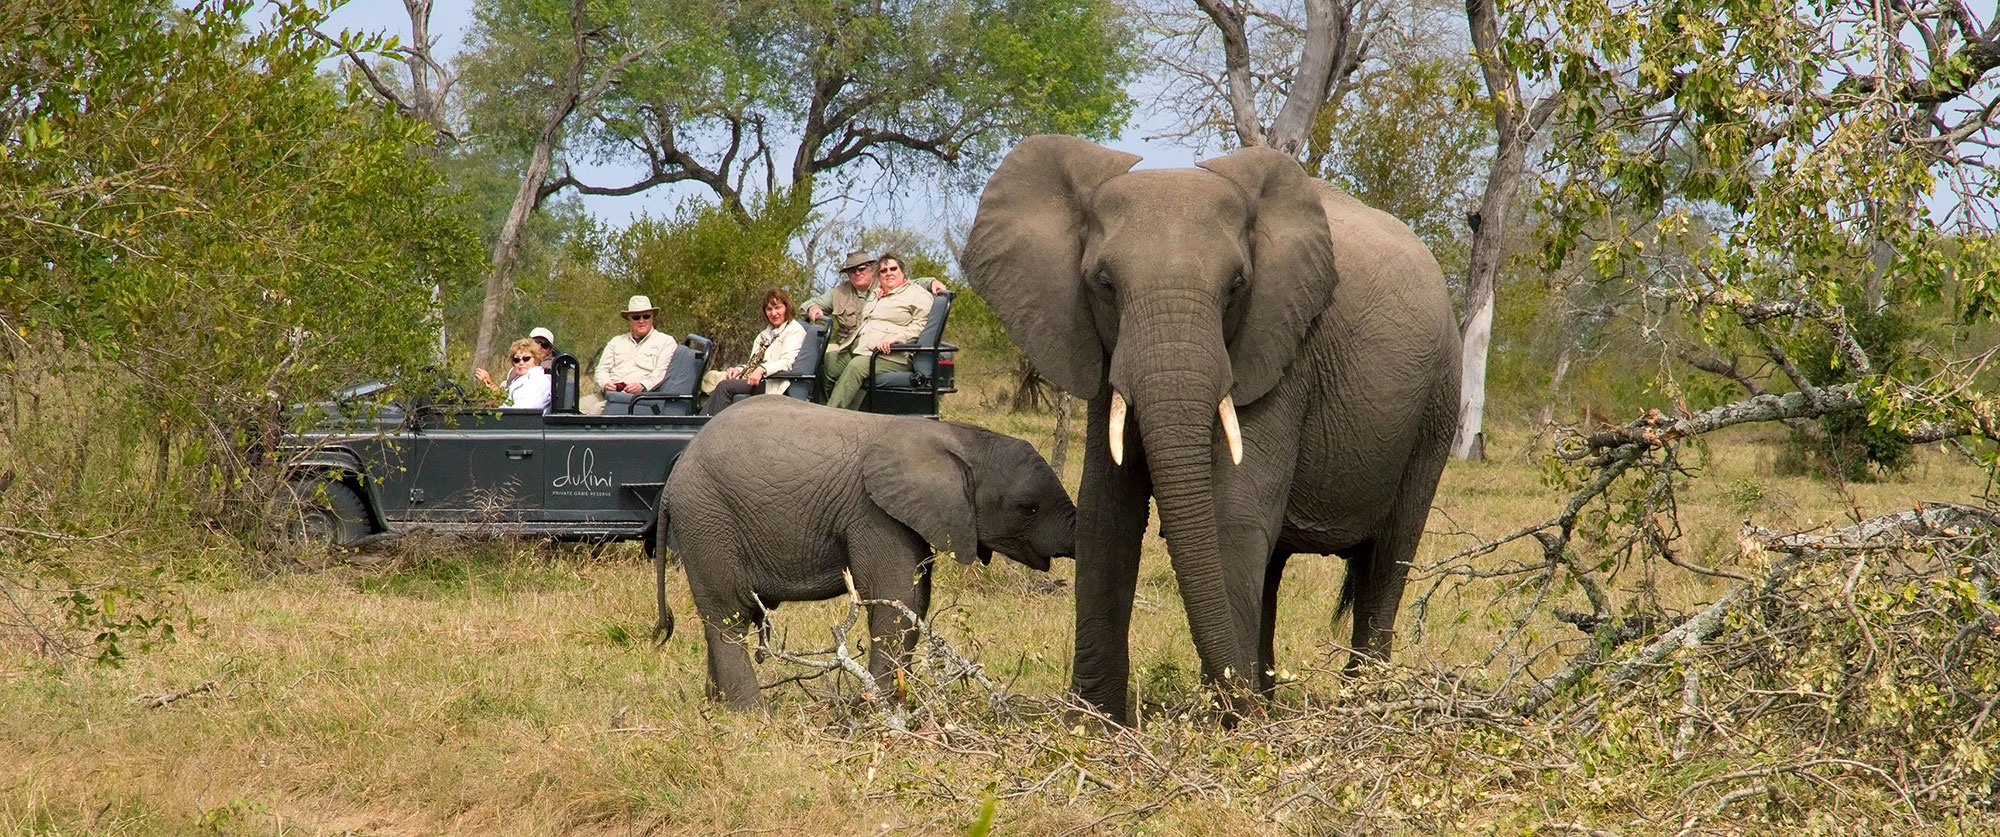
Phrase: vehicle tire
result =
(333, 519)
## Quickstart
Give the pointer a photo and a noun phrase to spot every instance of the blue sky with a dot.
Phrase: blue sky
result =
(450, 18)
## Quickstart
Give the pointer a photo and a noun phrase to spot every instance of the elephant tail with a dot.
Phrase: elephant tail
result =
(1350, 587)
(663, 626)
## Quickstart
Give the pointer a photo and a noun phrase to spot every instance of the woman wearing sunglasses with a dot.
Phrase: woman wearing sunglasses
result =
(527, 382)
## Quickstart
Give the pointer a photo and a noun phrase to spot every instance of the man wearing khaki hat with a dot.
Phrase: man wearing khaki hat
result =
(846, 299)
(634, 362)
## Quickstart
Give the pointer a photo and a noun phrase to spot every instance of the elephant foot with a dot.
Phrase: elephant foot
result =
(1089, 720)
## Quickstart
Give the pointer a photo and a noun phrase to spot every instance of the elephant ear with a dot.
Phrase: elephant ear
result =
(1291, 266)
(1025, 253)
(924, 483)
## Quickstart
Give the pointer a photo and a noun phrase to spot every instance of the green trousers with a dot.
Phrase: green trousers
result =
(847, 370)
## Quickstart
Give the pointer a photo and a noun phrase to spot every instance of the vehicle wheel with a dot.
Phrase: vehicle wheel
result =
(336, 517)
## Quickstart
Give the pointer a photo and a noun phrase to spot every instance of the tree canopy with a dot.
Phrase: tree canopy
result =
(747, 98)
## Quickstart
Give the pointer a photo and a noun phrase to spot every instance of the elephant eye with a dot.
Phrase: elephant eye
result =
(1030, 509)
(1102, 279)
(1236, 284)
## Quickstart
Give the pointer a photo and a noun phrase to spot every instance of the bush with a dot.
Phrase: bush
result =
(708, 267)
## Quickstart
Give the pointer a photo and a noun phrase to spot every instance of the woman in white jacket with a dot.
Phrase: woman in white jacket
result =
(774, 352)
(528, 384)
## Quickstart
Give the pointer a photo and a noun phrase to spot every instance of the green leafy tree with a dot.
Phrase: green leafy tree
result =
(782, 94)
(1828, 144)
(1363, 143)
(707, 267)
(199, 228)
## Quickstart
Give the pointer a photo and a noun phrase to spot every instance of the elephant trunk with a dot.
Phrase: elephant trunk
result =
(1175, 389)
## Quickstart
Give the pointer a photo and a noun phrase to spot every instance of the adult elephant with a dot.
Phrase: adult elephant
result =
(1287, 354)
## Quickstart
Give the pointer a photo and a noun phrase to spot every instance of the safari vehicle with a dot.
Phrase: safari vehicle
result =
(381, 460)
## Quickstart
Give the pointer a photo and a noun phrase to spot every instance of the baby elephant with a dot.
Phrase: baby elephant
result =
(776, 496)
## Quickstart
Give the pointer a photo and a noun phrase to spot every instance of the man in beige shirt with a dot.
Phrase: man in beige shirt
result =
(634, 362)
(895, 313)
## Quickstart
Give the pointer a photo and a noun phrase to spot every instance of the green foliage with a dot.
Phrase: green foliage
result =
(739, 97)
(708, 267)
(198, 228)
(1850, 445)
(1407, 142)
(1798, 180)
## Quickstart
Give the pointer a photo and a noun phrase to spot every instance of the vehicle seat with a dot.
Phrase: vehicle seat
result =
(915, 392)
(563, 389)
(804, 374)
(674, 394)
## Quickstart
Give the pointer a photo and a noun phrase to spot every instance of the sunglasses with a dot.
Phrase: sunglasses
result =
(638, 317)
(524, 358)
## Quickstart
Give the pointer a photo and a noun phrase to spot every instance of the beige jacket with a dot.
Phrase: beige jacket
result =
(784, 343)
(626, 360)
(897, 316)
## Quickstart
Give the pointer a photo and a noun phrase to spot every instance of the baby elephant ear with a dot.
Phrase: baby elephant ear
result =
(926, 485)
(1291, 265)
(1024, 255)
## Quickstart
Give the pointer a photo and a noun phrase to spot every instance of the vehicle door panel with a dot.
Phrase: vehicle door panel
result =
(475, 466)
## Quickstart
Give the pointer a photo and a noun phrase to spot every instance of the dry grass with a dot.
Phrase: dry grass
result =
(508, 688)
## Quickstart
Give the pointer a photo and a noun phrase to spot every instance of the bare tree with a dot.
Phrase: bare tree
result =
(428, 96)
(1276, 75)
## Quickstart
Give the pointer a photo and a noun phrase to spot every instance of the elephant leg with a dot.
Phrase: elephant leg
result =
(1267, 657)
(1111, 517)
(731, 678)
(891, 635)
(727, 610)
(890, 563)
(1379, 569)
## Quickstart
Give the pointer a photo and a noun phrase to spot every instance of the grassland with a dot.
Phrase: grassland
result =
(448, 686)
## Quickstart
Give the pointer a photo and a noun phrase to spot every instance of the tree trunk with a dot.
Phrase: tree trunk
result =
(499, 282)
(1332, 50)
(1514, 128)
(1059, 451)
(1028, 386)
(1555, 384)
(1478, 336)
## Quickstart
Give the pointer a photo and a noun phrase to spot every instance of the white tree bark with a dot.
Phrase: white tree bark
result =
(1478, 335)
(1515, 128)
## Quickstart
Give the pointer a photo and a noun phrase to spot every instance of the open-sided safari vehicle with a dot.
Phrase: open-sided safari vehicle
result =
(384, 458)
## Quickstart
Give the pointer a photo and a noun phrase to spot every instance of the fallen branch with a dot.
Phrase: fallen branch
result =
(161, 700)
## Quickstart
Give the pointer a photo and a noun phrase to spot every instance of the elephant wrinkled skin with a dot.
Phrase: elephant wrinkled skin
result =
(1192, 302)
(775, 497)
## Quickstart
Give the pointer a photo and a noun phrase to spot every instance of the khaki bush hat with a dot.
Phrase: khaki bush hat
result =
(640, 304)
(543, 333)
(856, 258)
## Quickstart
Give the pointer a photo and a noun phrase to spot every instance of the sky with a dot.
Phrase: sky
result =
(450, 18)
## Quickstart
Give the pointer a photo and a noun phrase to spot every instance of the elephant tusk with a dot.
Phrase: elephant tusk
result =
(1230, 430)
(1117, 428)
